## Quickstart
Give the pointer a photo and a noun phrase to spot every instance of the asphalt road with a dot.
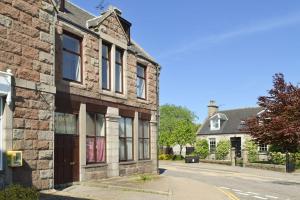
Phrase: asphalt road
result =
(242, 183)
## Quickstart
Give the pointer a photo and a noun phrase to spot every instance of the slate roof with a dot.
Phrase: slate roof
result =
(78, 16)
(233, 124)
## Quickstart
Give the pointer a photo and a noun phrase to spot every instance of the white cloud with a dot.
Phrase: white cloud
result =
(263, 26)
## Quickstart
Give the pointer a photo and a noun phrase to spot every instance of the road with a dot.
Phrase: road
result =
(236, 182)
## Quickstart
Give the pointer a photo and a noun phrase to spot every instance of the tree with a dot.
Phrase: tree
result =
(222, 150)
(201, 148)
(279, 124)
(184, 133)
(170, 115)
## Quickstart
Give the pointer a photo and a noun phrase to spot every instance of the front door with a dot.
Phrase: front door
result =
(236, 143)
(66, 149)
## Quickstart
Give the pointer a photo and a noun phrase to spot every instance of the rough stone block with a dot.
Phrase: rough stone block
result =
(46, 174)
(45, 155)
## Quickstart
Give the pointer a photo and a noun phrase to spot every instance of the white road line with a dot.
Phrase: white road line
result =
(236, 190)
(258, 197)
(252, 193)
(225, 188)
(272, 197)
(245, 194)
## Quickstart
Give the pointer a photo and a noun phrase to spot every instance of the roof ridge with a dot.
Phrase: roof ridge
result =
(240, 109)
(73, 4)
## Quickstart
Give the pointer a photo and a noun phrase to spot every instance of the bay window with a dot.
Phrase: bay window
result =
(71, 57)
(144, 140)
(125, 139)
(95, 138)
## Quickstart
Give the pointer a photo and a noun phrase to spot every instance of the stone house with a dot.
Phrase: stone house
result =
(228, 125)
(79, 96)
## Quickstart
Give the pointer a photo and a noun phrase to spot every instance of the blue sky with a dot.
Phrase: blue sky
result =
(222, 50)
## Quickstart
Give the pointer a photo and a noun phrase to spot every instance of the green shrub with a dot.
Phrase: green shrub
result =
(201, 148)
(297, 156)
(251, 148)
(223, 149)
(177, 157)
(277, 158)
(165, 157)
(17, 192)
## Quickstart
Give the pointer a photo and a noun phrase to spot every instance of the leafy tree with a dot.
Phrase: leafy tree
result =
(279, 125)
(251, 148)
(184, 133)
(222, 150)
(170, 115)
(201, 148)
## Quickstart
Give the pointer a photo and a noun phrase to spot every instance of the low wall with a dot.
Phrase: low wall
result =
(278, 168)
(222, 162)
(94, 171)
(140, 167)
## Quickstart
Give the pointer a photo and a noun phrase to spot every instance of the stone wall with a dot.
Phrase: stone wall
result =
(139, 167)
(26, 47)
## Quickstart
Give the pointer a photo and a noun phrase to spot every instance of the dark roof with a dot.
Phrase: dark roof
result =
(233, 124)
(77, 16)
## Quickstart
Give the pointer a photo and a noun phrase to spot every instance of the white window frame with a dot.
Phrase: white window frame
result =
(209, 140)
(212, 123)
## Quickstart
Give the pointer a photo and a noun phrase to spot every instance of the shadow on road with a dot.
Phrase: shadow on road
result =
(58, 197)
(162, 170)
(286, 183)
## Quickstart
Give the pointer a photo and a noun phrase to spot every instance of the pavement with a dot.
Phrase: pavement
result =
(160, 187)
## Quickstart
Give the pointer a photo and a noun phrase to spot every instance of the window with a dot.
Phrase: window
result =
(215, 124)
(144, 140)
(125, 139)
(119, 71)
(106, 67)
(65, 123)
(212, 145)
(141, 82)
(95, 138)
(71, 65)
(263, 148)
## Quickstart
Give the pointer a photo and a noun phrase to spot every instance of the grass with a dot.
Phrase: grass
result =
(145, 177)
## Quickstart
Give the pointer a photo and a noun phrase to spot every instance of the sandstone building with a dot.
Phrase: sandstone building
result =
(79, 98)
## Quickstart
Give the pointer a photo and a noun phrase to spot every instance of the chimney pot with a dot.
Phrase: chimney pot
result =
(212, 108)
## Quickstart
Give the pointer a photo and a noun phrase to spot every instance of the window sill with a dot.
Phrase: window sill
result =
(127, 162)
(145, 161)
(113, 94)
(95, 165)
(142, 100)
(72, 83)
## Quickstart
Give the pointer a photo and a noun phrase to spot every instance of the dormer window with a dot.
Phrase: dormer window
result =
(215, 124)
(217, 120)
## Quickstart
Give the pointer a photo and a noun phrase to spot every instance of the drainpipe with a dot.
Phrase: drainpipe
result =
(157, 113)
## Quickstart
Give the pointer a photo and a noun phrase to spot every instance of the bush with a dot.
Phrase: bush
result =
(297, 156)
(277, 158)
(17, 192)
(251, 148)
(201, 148)
(165, 157)
(223, 149)
(177, 157)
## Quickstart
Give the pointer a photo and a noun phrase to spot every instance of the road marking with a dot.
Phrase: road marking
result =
(229, 194)
(258, 197)
(236, 190)
(245, 194)
(252, 193)
(272, 197)
(225, 188)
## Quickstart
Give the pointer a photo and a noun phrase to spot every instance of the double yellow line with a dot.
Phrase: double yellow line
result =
(229, 194)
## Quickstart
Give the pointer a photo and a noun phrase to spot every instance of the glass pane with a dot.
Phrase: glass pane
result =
(128, 127)
(100, 149)
(90, 151)
(129, 149)
(100, 125)
(105, 51)
(146, 129)
(118, 56)
(59, 123)
(122, 127)
(71, 66)
(122, 149)
(72, 44)
(118, 78)
(71, 124)
(141, 88)
(141, 135)
(90, 124)
(141, 71)
(146, 149)
(141, 149)
(105, 73)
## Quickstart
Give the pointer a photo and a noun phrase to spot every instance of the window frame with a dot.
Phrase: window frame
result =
(262, 148)
(74, 36)
(212, 124)
(95, 136)
(109, 46)
(144, 78)
(77, 123)
(125, 140)
(143, 139)
(212, 140)
(122, 69)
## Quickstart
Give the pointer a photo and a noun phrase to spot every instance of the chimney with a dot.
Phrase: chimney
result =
(117, 10)
(62, 5)
(212, 108)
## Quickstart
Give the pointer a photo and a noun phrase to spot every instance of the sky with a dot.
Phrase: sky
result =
(225, 51)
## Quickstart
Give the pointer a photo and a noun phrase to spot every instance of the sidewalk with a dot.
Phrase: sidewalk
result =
(132, 188)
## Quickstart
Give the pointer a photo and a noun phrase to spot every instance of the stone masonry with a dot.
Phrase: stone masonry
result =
(26, 47)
